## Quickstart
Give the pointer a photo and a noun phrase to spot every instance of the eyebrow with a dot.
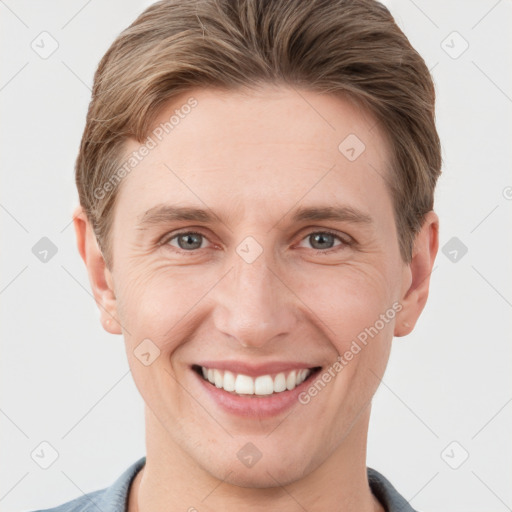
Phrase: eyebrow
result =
(166, 213)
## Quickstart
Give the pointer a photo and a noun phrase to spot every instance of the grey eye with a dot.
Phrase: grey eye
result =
(188, 241)
(321, 240)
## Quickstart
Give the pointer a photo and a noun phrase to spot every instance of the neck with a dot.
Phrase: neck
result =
(171, 480)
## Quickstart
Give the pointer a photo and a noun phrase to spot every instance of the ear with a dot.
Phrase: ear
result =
(417, 275)
(99, 276)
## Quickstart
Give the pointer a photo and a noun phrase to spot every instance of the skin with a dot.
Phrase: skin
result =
(253, 158)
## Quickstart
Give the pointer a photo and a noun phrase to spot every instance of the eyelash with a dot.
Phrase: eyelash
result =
(344, 243)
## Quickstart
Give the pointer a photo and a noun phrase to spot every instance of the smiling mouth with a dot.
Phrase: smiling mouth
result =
(262, 385)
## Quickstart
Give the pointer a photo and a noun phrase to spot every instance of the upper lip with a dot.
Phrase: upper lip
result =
(255, 370)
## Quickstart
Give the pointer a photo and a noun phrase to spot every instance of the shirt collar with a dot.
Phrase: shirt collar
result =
(115, 497)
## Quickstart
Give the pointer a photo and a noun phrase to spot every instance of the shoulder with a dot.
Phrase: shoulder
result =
(385, 492)
(84, 503)
(110, 499)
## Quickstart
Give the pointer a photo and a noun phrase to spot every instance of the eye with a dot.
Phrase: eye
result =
(186, 240)
(324, 241)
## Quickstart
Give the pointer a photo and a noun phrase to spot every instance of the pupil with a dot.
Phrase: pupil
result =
(187, 237)
(321, 238)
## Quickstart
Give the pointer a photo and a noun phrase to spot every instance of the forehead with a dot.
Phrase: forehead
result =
(270, 117)
(252, 147)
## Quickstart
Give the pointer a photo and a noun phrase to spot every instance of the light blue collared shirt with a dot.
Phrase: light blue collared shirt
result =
(115, 497)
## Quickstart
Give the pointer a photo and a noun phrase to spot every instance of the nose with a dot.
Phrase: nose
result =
(254, 305)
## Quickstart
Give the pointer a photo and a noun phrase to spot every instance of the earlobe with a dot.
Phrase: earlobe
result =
(100, 277)
(417, 275)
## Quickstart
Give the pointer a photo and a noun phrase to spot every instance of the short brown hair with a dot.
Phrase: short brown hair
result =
(353, 47)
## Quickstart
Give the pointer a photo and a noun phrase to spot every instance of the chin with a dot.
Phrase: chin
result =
(264, 477)
(267, 472)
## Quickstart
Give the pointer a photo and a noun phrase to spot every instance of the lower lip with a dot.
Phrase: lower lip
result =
(253, 405)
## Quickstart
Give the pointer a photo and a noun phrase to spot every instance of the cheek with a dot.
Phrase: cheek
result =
(155, 301)
(153, 310)
(349, 299)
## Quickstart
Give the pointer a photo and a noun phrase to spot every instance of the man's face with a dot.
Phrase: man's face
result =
(257, 291)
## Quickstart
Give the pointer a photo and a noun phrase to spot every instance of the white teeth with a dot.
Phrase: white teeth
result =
(262, 385)
(217, 378)
(244, 385)
(291, 380)
(279, 383)
(301, 376)
(229, 381)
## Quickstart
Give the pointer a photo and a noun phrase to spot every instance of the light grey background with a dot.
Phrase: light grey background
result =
(65, 381)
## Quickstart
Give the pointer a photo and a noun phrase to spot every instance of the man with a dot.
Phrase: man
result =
(256, 185)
